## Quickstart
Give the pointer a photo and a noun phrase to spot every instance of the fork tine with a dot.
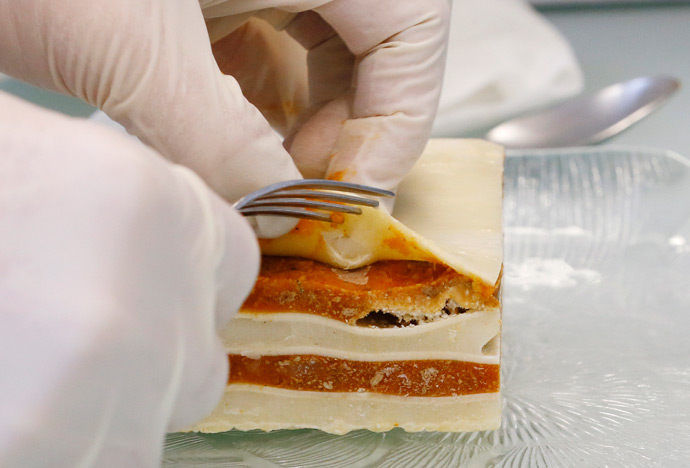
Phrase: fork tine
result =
(315, 194)
(323, 184)
(284, 211)
(298, 202)
(299, 198)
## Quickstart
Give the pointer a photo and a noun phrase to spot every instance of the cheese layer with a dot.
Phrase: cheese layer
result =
(248, 407)
(468, 337)
(448, 211)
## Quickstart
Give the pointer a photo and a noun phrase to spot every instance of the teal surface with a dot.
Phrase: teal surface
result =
(48, 99)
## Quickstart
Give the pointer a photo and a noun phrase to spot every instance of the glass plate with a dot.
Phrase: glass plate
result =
(596, 345)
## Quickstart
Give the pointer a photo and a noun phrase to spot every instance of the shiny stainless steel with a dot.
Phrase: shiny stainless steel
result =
(300, 199)
(589, 119)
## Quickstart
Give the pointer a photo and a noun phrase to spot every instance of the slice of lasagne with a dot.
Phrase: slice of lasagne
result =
(381, 321)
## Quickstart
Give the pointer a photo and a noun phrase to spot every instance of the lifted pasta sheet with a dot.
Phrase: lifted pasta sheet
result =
(381, 321)
(448, 210)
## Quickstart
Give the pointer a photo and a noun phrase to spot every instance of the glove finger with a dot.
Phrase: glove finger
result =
(150, 67)
(401, 51)
(175, 99)
(271, 69)
(331, 66)
(309, 29)
(239, 265)
(232, 147)
(202, 387)
(329, 61)
(312, 144)
(225, 254)
(224, 244)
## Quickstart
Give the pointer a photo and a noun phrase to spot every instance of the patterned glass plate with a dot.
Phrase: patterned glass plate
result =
(596, 332)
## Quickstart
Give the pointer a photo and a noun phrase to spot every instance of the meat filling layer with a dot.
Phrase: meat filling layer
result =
(427, 378)
(412, 292)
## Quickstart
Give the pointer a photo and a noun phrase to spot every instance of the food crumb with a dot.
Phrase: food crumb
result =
(337, 218)
(378, 377)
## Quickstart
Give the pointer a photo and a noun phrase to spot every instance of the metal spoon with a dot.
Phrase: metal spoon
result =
(589, 119)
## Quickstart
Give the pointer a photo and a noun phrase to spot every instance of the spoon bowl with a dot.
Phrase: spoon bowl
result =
(588, 119)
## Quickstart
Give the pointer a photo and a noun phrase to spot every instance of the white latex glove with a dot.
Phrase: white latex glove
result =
(116, 270)
(365, 112)
(373, 72)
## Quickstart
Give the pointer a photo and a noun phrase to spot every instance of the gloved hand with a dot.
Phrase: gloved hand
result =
(373, 73)
(116, 270)
(359, 106)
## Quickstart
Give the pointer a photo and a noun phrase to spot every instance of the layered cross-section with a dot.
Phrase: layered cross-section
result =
(381, 321)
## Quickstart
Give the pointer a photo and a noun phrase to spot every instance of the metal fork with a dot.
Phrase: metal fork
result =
(300, 199)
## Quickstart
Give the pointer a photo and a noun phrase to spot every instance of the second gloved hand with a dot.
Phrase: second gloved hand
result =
(117, 268)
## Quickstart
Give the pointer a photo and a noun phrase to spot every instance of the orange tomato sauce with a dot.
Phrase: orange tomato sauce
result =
(290, 284)
(428, 378)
